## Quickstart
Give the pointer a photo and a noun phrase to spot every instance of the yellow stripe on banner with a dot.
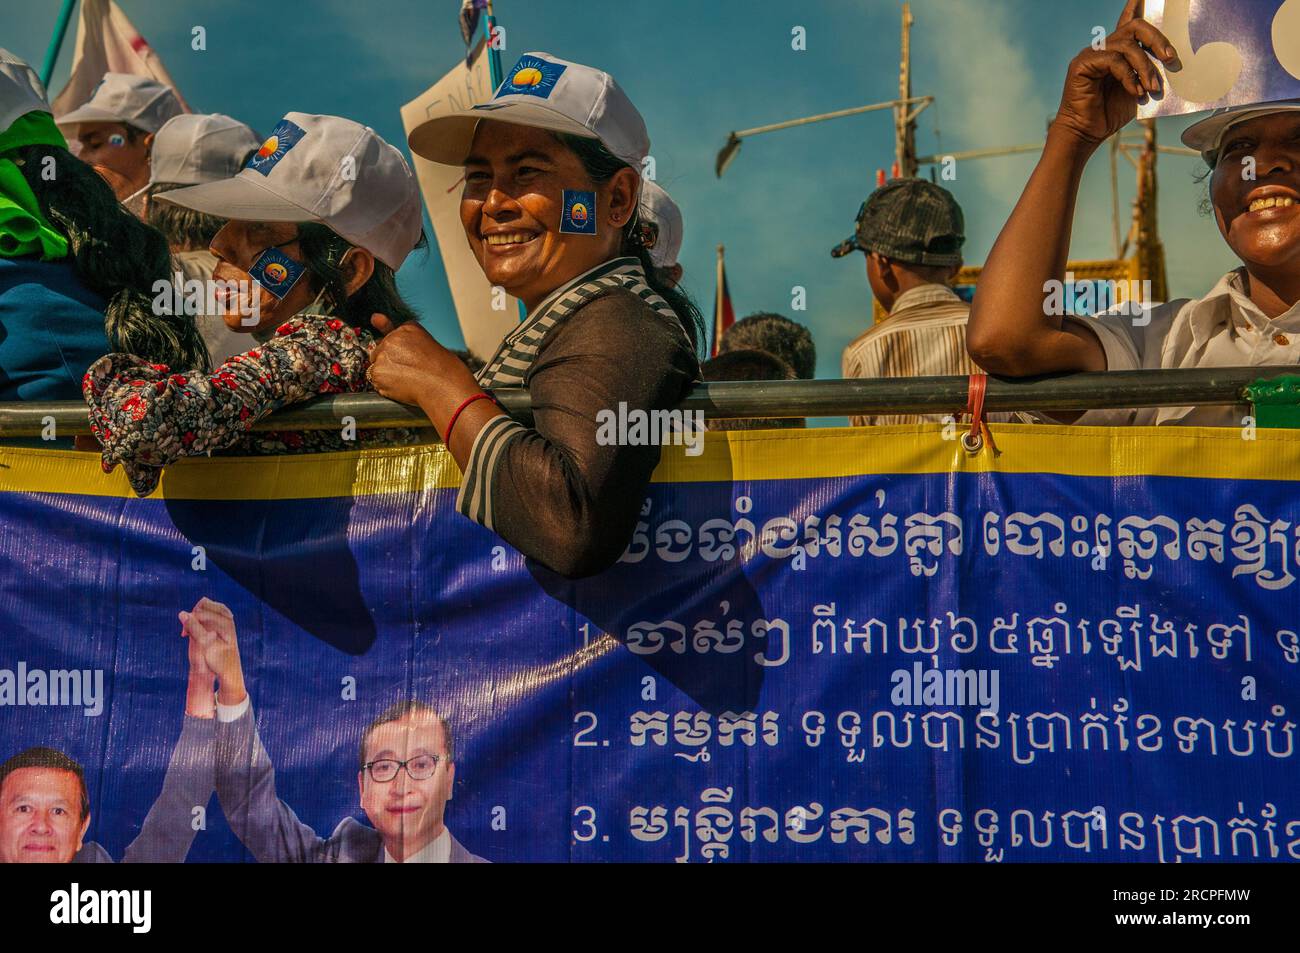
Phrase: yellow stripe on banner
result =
(289, 477)
(1208, 452)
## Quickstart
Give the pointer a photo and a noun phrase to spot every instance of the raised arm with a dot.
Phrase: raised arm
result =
(243, 774)
(146, 416)
(1009, 332)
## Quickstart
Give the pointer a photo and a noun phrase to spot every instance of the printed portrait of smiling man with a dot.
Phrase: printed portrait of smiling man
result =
(44, 808)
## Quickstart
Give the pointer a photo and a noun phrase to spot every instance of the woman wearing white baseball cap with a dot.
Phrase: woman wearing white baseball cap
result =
(552, 178)
(319, 220)
(1251, 317)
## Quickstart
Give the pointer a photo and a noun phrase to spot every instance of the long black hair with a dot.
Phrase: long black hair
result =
(323, 252)
(601, 165)
(115, 255)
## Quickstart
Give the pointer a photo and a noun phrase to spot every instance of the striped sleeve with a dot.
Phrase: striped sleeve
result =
(475, 497)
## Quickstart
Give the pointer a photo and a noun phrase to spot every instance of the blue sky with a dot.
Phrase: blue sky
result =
(697, 70)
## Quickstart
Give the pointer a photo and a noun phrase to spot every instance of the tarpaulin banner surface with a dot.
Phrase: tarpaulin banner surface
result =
(831, 645)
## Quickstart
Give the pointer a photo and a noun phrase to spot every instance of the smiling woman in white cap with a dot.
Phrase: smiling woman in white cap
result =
(320, 218)
(552, 180)
(1252, 316)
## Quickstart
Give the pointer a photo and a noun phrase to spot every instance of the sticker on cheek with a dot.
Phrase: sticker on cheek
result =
(276, 272)
(579, 214)
(117, 139)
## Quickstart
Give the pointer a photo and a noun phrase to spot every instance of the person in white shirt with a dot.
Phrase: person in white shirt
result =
(1251, 317)
(404, 779)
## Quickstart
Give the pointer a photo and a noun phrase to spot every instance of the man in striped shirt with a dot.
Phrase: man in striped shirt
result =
(911, 232)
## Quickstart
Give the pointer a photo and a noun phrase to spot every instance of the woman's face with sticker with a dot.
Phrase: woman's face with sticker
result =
(112, 146)
(533, 217)
(269, 252)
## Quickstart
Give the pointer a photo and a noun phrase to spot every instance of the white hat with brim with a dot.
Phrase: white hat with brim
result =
(1206, 136)
(194, 148)
(324, 169)
(447, 139)
(657, 205)
(242, 198)
(126, 98)
(21, 91)
(545, 92)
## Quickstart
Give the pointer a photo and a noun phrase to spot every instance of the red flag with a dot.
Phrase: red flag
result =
(724, 316)
(108, 43)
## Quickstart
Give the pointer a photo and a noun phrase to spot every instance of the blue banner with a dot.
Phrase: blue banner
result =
(826, 645)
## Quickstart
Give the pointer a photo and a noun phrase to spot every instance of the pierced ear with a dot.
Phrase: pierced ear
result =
(623, 190)
(357, 266)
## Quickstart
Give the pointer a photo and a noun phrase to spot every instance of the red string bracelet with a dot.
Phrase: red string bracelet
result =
(446, 439)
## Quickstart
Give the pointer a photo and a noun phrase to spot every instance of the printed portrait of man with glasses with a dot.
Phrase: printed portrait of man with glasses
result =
(406, 768)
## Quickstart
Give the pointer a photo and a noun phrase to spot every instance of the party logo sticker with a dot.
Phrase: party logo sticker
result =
(283, 137)
(531, 76)
(276, 272)
(579, 215)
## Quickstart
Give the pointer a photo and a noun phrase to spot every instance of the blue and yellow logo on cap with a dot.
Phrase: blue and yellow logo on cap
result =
(531, 76)
(283, 137)
(579, 215)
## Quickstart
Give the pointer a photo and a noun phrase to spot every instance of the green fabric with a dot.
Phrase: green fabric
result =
(1276, 402)
(24, 231)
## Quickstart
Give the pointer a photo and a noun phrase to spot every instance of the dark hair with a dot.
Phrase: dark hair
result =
(601, 165)
(323, 253)
(778, 335)
(1205, 207)
(184, 228)
(115, 255)
(48, 758)
(750, 365)
(396, 712)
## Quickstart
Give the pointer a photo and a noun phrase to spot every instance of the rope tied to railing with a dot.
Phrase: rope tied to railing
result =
(973, 440)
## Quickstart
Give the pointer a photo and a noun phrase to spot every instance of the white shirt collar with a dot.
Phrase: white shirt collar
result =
(1227, 297)
(437, 851)
(923, 294)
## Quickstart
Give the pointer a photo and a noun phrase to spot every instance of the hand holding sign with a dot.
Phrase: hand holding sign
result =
(1104, 86)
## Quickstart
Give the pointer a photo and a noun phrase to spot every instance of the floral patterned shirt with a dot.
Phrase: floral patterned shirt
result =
(146, 416)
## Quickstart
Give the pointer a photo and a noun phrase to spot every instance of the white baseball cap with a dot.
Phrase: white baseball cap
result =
(21, 90)
(124, 97)
(658, 207)
(194, 148)
(1206, 136)
(544, 91)
(324, 169)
